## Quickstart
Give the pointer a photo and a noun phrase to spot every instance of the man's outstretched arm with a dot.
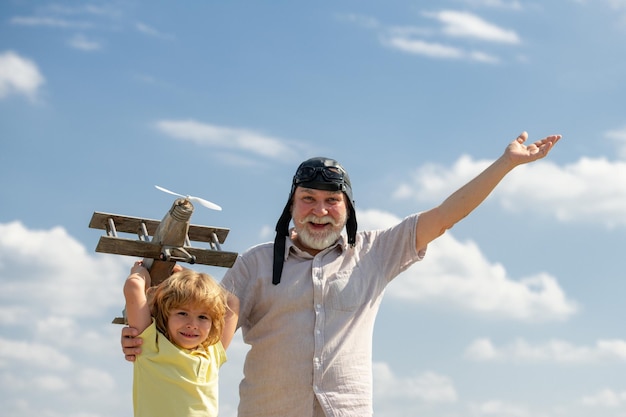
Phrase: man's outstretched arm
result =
(434, 222)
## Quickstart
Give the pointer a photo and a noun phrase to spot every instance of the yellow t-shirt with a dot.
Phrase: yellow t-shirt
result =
(172, 382)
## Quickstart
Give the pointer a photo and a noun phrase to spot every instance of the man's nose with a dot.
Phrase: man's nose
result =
(320, 209)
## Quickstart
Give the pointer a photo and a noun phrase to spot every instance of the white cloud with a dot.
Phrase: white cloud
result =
(457, 274)
(484, 57)
(38, 264)
(150, 31)
(376, 219)
(50, 383)
(92, 380)
(606, 398)
(364, 21)
(397, 396)
(230, 138)
(427, 386)
(266, 233)
(555, 351)
(416, 394)
(59, 352)
(82, 43)
(482, 350)
(87, 9)
(50, 22)
(617, 4)
(436, 50)
(56, 16)
(413, 39)
(432, 182)
(498, 408)
(500, 4)
(467, 25)
(19, 75)
(33, 354)
(11, 314)
(408, 39)
(421, 47)
(592, 190)
(619, 137)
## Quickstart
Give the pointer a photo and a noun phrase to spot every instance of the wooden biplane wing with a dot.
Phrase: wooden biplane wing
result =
(144, 248)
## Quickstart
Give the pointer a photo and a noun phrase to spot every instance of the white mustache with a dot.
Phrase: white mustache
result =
(319, 220)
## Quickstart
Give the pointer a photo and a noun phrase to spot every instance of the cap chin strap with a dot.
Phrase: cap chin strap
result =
(279, 258)
(282, 231)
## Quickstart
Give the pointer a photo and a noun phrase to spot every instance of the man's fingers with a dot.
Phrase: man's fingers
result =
(131, 342)
(522, 137)
(129, 332)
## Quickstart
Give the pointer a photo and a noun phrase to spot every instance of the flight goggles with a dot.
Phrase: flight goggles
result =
(309, 173)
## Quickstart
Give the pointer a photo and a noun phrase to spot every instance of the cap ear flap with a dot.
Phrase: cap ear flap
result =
(282, 231)
(282, 226)
(351, 226)
(279, 259)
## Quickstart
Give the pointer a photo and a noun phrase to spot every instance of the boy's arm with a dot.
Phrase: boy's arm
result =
(137, 309)
(230, 322)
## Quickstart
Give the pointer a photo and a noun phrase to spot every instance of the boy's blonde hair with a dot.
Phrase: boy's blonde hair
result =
(186, 288)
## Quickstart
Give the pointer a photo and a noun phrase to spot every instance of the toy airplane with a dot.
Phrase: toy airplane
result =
(171, 239)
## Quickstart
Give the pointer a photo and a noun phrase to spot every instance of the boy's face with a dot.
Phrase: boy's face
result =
(189, 326)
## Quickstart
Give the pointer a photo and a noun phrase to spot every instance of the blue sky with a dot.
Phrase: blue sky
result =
(516, 312)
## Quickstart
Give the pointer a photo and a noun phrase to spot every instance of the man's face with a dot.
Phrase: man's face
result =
(319, 217)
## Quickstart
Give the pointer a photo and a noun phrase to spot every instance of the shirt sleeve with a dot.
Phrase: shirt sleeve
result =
(149, 336)
(217, 351)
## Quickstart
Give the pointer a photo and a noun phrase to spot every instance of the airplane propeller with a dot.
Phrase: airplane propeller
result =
(191, 198)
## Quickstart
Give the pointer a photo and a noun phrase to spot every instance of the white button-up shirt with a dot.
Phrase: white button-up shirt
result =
(311, 335)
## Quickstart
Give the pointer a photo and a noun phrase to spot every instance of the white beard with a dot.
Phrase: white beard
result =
(319, 240)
